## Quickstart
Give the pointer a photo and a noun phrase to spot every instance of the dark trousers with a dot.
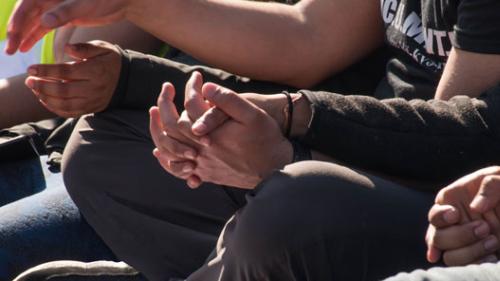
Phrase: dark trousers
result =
(153, 221)
(149, 219)
(321, 221)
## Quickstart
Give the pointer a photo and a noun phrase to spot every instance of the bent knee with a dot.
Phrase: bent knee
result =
(295, 207)
(76, 164)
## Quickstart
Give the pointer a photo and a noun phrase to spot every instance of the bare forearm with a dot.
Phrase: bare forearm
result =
(296, 45)
(19, 105)
(469, 74)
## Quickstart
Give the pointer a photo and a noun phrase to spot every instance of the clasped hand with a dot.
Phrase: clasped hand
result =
(464, 223)
(221, 137)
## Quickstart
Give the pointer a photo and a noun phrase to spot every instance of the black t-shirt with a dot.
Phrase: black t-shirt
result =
(422, 33)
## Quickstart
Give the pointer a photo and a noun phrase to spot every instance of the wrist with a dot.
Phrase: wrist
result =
(301, 118)
(284, 155)
(276, 105)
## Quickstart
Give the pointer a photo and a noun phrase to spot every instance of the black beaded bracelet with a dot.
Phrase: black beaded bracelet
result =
(288, 115)
(300, 152)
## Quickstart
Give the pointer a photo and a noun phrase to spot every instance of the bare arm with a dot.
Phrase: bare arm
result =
(468, 73)
(297, 45)
(19, 105)
(124, 34)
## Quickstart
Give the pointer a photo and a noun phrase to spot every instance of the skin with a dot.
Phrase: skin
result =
(245, 43)
(304, 29)
(468, 74)
(464, 224)
(82, 86)
(249, 133)
(19, 105)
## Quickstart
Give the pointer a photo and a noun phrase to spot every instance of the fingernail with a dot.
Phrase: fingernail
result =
(490, 259)
(32, 71)
(49, 20)
(482, 230)
(450, 216)
(480, 204)
(187, 169)
(491, 243)
(190, 155)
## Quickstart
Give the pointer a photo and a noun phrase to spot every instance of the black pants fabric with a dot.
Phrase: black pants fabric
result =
(149, 219)
(321, 221)
(155, 223)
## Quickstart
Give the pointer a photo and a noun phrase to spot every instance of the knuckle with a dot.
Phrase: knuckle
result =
(490, 183)
(446, 194)
(99, 43)
(433, 215)
(495, 170)
(169, 125)
(189, 103)
(184, 126)
(175, 168)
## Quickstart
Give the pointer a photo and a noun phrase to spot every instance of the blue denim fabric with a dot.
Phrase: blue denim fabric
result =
(41, 224)
(20, 179)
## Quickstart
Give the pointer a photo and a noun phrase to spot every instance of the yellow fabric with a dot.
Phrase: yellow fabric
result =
(6, 7)
(47, 56)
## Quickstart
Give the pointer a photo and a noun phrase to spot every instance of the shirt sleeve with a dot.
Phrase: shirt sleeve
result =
(478, 26)
(419, 140)
(142, 76)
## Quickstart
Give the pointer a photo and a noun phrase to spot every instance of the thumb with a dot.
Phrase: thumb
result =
(194, 103)
(88, 50)
(64, 13)
(441, 216)
(488, 195)
(234, 105)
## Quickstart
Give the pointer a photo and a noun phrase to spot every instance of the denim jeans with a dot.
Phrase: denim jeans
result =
(39, 224)
(20, 179)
